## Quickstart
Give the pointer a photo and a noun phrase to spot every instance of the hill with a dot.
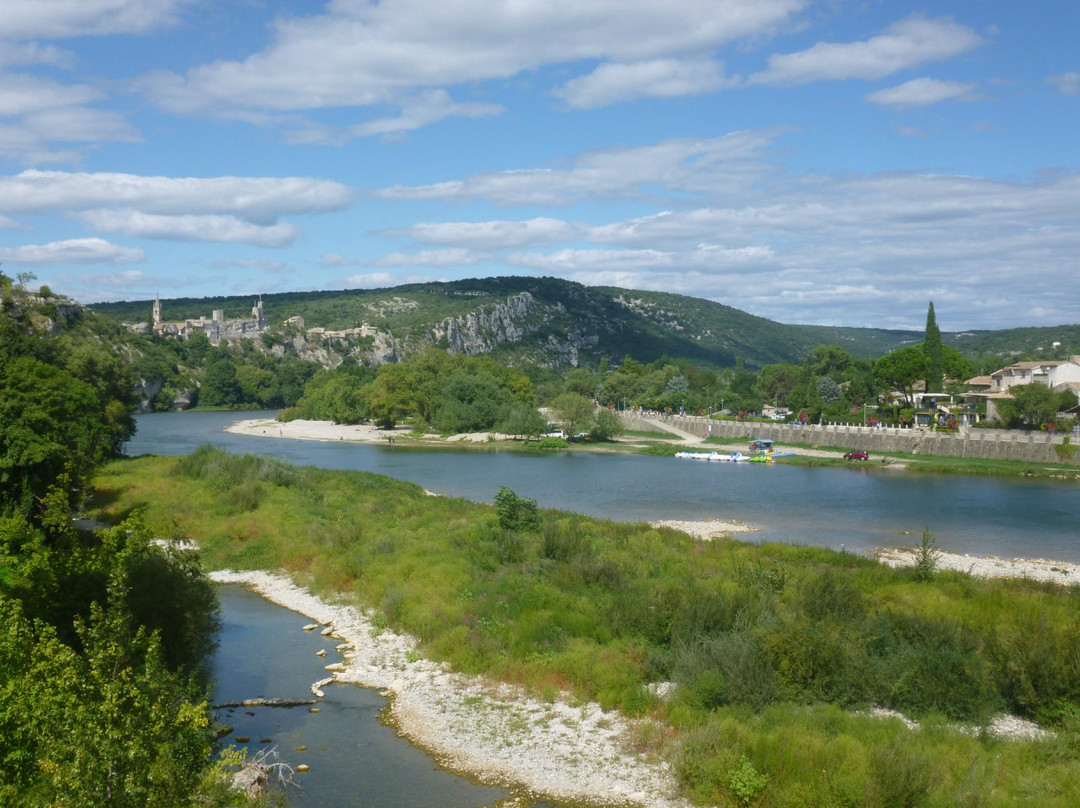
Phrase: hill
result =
(544, 321)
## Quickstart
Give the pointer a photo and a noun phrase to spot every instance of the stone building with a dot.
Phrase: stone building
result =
(216, 329)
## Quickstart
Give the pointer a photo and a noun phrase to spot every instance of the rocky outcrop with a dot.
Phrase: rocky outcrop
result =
(486, 327)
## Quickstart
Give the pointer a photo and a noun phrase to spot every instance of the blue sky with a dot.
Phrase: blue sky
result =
(824, 162)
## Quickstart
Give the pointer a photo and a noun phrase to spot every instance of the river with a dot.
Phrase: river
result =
(355, 759)
(859, 507)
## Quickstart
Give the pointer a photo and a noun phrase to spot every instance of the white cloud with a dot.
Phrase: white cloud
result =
(208, 228)
(43, 112)
(429, 258)
(801, 248)
(488, 235)
(725, 165)
(72, 251)
(336, 260)
(425, 109)
(7, 223)
(376, 280)
(658, 78)
(124, 278)
(904, 45)
(254, 199)
(360, 53)
(34, 53)
(921, 93)
(20, 94)
(274, 267)
(1067, 83)
(27, 19)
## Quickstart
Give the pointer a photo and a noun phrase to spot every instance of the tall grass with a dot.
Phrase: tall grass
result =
(776, 649)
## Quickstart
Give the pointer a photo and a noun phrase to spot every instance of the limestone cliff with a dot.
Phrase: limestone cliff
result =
(487, 327)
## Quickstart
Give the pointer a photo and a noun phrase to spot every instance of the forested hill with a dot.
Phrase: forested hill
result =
(546, 321)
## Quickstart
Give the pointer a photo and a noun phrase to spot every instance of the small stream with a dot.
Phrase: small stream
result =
(355, 759)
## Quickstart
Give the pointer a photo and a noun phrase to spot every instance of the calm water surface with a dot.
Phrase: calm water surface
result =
(858, 507)
(355, 760)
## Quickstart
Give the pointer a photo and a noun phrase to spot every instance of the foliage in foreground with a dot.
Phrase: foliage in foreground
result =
(776, 650)
(100, 640)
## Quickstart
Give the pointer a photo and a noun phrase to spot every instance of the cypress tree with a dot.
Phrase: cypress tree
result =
(935, 365)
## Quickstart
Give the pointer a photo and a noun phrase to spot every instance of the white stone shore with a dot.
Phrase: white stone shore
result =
(493, 731)
(1038, 569)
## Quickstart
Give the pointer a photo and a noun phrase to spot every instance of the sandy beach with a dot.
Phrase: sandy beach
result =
(301, 429)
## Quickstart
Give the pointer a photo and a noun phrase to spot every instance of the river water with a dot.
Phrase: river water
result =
(858, 507)
(355, 759)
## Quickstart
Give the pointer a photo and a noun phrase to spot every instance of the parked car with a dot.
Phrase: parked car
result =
(857, 454)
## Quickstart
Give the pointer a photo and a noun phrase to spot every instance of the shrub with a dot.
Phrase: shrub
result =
(746, 783)
(564, 541)
(926, 558)
(514, 512)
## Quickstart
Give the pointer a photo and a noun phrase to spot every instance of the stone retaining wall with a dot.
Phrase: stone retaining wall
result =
(991, 444)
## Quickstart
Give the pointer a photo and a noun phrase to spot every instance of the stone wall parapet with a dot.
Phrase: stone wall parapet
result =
(996, 444)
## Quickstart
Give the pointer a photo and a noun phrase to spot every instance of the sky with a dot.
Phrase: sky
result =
(829, 162)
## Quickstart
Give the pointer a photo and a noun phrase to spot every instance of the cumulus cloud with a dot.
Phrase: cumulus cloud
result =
(275, 267)
(209, 228)
(886, 239)
(658, 78)
(423, 110)
(254, 199)
(363, 54)
(725, 165)
(904, 45)
(376, 280)
(34, 53)
(488, 235)
(124, 279)
(921, 93)
(1067, 83)
(429, 258)
(28, 19)
(42, 112)
(336, 260)
(72, 251)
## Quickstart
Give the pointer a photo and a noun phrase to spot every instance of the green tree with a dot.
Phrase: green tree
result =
(394, 394)
(47, 425)
(776, 382)
(828, 360)
(1031, 405)
(582, 381)
(522, 420)
(900, 369)
(220, 387)
(606, 425)
(935, 363)
(573, 411)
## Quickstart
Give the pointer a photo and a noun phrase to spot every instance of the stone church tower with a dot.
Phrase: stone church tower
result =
(157, 312)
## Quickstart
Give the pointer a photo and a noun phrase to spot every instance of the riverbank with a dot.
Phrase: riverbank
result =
(473, 725)
(1036, 569)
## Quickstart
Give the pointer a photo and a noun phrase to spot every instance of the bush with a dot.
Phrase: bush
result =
(746, 783)
(926, 558)
(514, 512)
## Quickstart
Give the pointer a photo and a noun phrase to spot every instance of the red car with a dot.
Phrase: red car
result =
(858, 454)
